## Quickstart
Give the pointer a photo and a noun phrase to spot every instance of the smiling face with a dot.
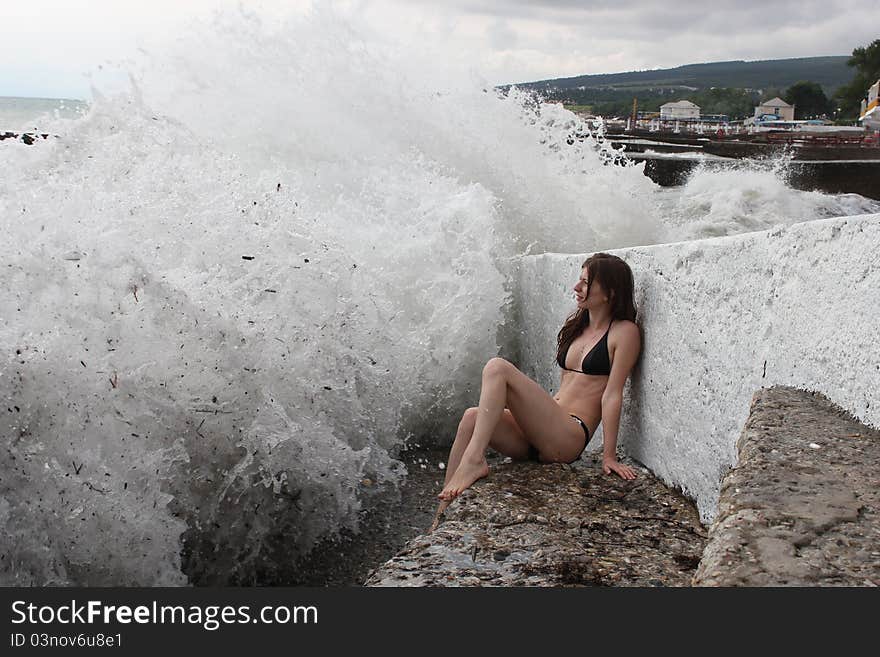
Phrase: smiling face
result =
(596, 295)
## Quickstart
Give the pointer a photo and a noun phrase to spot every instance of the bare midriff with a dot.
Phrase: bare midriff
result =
(581, 394)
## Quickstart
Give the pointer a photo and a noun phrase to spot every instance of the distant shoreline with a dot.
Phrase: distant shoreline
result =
(72, 100)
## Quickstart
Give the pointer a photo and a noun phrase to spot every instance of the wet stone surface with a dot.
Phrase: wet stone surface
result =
(530, 524)
(389, 519)
(802, 507)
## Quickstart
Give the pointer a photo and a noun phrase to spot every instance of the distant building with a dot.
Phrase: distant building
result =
(682, 109)
(775, 108)
(869, 113)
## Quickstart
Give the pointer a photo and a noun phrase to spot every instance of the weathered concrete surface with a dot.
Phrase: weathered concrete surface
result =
(721, 318)
(802, 507)
(555, 525)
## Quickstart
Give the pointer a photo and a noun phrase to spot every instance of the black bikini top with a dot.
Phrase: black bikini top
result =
(597, 361)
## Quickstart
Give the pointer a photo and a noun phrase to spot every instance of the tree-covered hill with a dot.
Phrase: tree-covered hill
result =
(729, 88)
(829, 72)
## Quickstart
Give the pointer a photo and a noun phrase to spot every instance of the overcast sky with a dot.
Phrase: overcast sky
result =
(49, 47)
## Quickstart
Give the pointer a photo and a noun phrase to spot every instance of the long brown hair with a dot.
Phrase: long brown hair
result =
(616, 277)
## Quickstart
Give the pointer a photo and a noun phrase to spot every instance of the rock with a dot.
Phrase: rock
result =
(530, 524)
(793, 515)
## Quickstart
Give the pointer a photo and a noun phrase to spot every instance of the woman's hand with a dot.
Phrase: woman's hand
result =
(610, 465)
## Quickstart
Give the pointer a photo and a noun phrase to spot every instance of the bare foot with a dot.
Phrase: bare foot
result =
(466, 474)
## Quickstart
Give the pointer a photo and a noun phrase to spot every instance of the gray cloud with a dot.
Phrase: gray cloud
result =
(563, 38)
(504, 40)
(668, 34)
(501, 36)
(759, 14)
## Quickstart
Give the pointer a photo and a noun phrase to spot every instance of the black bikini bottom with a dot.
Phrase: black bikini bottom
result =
(533, 451)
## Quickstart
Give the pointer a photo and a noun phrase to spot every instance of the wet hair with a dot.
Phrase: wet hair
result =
(616, 277)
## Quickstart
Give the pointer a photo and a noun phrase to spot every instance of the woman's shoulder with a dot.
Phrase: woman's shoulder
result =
(626, 329)
(631, 325)
(624, 337)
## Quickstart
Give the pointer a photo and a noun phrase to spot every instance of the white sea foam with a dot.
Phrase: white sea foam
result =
(747, 195)
(230, 295)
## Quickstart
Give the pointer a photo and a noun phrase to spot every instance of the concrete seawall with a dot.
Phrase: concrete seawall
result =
(721, 318)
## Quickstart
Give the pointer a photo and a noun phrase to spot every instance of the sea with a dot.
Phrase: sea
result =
(28, 114)
(235, 292)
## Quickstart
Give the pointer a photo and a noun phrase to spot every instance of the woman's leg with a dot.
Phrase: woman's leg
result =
(543, 423)
(462, 438)
(507, 439)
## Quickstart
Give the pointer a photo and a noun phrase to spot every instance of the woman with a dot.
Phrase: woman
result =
(597, 348)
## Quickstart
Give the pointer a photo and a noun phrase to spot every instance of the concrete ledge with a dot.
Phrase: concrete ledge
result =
(802, 507)
(555, 525)
(723, 317)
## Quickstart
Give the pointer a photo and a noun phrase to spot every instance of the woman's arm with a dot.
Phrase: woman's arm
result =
(626, 354)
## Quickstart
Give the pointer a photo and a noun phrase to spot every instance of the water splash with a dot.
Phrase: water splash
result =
(747, 195)
(233, 293)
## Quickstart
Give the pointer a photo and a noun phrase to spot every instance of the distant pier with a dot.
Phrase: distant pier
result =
(835, 167)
